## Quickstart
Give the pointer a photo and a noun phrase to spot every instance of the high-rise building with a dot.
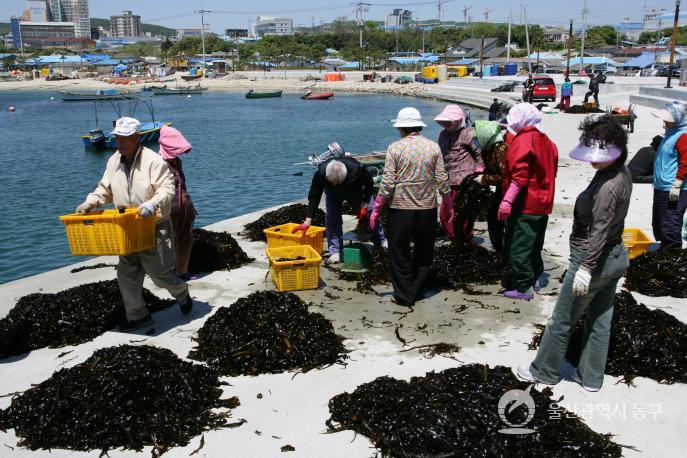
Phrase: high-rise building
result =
(55, 10)
(272, 26)
(125, 25)
(398, 18)
(38, 10)
(76, 11)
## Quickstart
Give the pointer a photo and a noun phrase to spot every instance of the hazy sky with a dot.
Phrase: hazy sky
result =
(179, 13)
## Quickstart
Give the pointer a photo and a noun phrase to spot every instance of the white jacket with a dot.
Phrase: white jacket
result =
(149, 180)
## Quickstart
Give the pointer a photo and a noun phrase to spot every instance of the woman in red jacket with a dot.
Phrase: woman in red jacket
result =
(528, 187)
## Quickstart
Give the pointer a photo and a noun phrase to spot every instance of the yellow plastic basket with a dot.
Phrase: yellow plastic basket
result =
(109, 232)
(636, 241)
(296, 274)
(281, 236)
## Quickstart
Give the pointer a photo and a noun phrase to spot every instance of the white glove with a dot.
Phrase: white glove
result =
(146, 209)
(674, 194)
(581, 282)
(84, 208)
(479, 179)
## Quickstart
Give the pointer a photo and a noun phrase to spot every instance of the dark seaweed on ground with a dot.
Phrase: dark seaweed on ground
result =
(455, 413)
(267, 332)
(215, 251)
(294, 213)
(70, 317)
(459, 265)
(644, 343)
(126, 396)
(472, 201)
(579, 109)
(378, 272)
(658, 273)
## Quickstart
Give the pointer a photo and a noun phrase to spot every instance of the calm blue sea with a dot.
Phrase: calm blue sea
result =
(242, 157)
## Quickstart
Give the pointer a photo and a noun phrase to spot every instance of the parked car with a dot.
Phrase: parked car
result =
(663, 70)
(544, 89)
(649, 70)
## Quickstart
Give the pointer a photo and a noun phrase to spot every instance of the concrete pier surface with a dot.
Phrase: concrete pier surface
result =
(648, 417)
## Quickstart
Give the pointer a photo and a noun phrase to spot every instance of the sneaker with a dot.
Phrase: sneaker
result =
(334, 258)
(515, 294)
(133, 325)
(187, 305)
(575, 376)
(523, 373)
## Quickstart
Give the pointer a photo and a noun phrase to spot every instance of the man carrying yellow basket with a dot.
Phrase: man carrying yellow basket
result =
(136, 177)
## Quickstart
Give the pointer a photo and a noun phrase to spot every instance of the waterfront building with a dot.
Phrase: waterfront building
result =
(264, 26)
(29, 33)
(125, 25)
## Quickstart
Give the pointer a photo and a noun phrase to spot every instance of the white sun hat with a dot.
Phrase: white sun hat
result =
(126, 127)
(594, 153)
(409, 117)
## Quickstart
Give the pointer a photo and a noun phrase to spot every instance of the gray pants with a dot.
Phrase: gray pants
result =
(159, 263)
(598, 303)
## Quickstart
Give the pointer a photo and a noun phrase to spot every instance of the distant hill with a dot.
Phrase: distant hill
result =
(154, 29)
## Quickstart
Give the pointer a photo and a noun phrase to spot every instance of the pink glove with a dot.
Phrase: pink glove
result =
(301, 227)
(507, 203)
(380, 203)
(479, 169)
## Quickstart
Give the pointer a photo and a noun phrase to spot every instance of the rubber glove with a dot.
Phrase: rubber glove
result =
(146, 209)
(362, 213)
(479, 169)
(84, 208)
(302, 227)
(581, 282)
(507, 203)
(478, 179)
(380, 203)
(674, 194)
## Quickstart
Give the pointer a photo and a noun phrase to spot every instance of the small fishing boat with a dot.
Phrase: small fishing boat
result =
(191, 77)
(106, 94)
(317, 96)
(195, 90)
(262, 95)
(97, 139)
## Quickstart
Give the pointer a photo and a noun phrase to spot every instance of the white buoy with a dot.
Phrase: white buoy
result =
(52, 98)
(11, 109)
(188, 96)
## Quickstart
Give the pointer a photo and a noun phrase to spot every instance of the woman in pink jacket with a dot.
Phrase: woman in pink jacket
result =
(462, 157)
(173, 145)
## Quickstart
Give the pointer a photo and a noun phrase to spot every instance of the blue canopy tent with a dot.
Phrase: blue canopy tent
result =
(596, 63)
(121, 68)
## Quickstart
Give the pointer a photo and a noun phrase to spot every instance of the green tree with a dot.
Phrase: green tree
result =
(166, 46)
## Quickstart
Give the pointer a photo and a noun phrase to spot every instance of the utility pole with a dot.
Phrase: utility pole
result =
(672, 44)
(510, 21)
(360, 10)
(570, 41)
(481, 58)
(202, 28)
(465, 13)
(585, 12)
(486, 14)
(527, 39)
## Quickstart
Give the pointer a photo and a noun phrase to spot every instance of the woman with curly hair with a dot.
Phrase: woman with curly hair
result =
(598, 260)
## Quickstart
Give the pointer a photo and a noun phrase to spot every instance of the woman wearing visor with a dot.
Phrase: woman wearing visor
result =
(598, 260)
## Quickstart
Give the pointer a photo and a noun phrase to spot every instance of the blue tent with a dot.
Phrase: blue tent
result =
(463, 62)
(641, 61)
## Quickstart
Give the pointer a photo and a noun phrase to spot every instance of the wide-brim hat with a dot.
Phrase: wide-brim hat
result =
(409, 117)
(594, 153)
(663, 115)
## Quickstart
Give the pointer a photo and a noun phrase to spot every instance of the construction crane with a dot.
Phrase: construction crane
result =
(465, 13)
(440, 5)
(486, 14)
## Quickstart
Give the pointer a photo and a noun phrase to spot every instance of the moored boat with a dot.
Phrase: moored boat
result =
(97, 139)
(197, 90)
(106, 94)
(317, 96)
(262, 95)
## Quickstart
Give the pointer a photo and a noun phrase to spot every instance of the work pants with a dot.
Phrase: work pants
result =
(495, 227)
(450, 220)
(334, 220)
(159, 263)
(565, 102)
(524, 243)
(183, 220)
(667, 219)
(409, 270)
(590, 93)
(598, 303)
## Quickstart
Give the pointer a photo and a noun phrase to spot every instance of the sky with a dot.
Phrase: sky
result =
(230, 14)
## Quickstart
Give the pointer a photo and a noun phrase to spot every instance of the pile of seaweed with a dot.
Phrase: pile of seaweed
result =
(658, 273)
(471, 203)
(70, 317)
(581, 109)
(294, 213)
(461, 264)
(267, 332)
(378, 272)
(126, 396)
(644, 343)
(215, 251)
(456, 413)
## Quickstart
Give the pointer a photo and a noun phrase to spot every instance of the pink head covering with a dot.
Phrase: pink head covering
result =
(523, 115)
(453, 114)
(172, 143)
